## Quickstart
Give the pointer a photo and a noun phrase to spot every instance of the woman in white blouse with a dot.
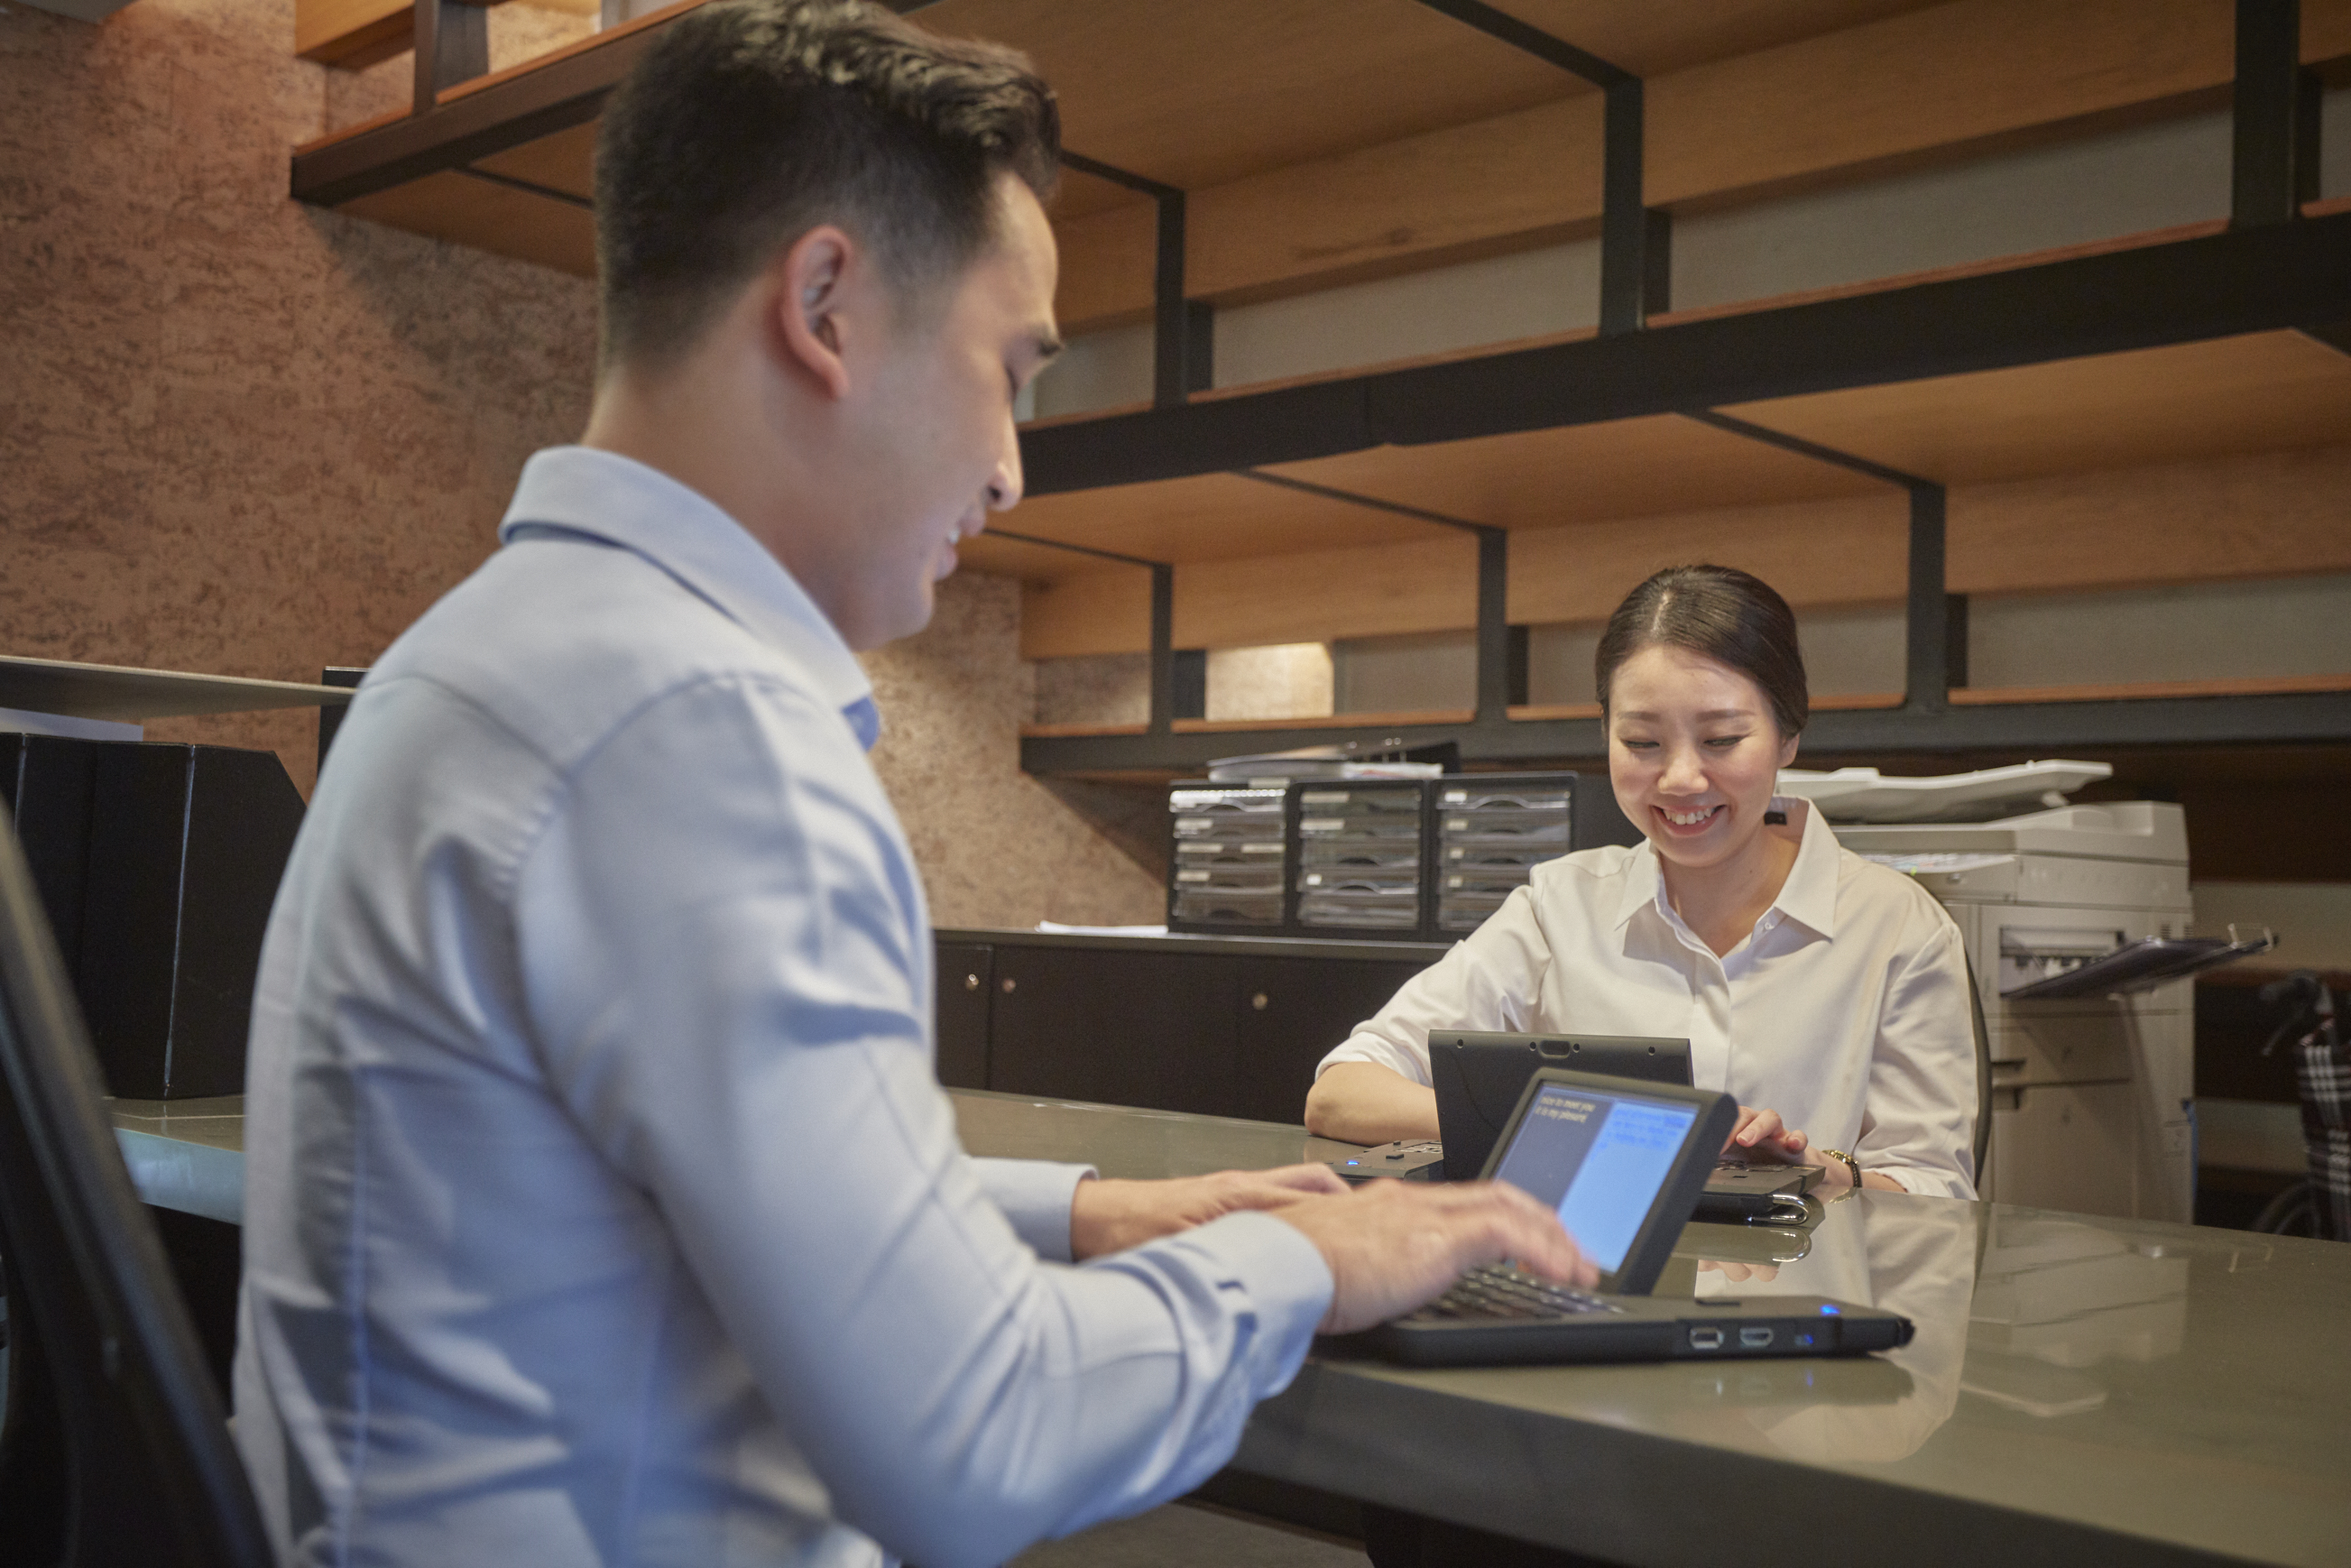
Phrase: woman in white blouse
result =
(1827, 993)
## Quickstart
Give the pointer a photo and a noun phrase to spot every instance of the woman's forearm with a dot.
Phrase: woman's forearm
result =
(1364, 1102)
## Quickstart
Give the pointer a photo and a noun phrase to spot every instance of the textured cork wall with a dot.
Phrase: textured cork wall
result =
(242, 436)
(997, 848)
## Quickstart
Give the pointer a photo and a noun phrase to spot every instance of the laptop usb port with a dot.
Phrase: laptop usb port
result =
(1706, 1338)
(1754, 1338)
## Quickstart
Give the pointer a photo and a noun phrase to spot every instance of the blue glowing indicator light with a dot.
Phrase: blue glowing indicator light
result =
(1354, 1162)
(1827, 1311)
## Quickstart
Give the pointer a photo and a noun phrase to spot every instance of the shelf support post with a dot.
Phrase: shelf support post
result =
(2274, 162)
(1493, 626)
(453, 45)
(1163, 648)
(1632, 237)
(1182, 332)
(1172, 381)
(1926, 664)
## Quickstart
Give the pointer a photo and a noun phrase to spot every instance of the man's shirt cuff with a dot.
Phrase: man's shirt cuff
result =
(1035, 1195)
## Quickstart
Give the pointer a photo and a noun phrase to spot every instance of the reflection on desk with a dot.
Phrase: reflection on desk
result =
(2079, 1389)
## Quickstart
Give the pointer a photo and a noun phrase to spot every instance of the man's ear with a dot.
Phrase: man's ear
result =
(812, 282)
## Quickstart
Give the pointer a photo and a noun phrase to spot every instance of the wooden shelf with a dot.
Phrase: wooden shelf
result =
(128, 695)
(1351, 722)
(2150, 691)
(1320, 141)
(2249, 719)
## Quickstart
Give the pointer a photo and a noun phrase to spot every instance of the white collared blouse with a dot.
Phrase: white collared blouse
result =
(1845, 1010)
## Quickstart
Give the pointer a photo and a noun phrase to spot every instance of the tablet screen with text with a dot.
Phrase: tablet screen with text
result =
(1597, 1158)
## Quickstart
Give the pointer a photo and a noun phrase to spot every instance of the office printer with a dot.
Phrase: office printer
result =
(2092, 1024)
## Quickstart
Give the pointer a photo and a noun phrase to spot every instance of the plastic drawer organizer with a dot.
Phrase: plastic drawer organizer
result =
(1231, 857)
(1489, 840)
(1359, 856)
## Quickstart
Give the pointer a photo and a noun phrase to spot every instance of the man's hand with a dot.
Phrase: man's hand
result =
(1393, 1245)
(1112, 1216)
(1760, 1134)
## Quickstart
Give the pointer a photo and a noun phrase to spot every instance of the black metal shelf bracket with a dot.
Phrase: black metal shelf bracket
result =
(2273, 133)
(453, 45)
(1497, 667)
(1634, 239)
(1181, 336)
(1928, 661)
(1162, 619)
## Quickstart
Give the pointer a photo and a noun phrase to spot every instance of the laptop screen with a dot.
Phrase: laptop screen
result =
(1599, 1158)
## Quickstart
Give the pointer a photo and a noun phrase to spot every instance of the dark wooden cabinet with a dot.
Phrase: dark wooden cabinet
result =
(1122, 1028)
(966, 974)
(1223, 1028)
(1292, 1012)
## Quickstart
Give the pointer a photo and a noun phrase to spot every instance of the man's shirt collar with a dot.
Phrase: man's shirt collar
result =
(603, 495)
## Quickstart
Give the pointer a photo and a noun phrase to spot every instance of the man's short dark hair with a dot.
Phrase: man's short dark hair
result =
(752, 122)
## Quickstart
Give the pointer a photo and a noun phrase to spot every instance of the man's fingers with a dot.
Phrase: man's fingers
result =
(1518, 1229)
(1305, 1178)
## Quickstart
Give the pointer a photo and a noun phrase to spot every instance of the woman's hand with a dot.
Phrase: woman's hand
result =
(1760, 1134)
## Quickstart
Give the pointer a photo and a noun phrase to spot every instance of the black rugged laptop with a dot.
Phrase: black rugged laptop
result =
(1479, 1074)
(1620, 1162)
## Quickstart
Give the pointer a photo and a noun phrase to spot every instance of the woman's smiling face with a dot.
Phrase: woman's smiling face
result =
(1693, 752)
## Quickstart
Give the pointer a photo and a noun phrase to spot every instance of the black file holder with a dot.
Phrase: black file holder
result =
(186, 847)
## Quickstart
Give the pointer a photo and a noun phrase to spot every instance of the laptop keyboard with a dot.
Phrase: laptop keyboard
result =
(1500, 1290)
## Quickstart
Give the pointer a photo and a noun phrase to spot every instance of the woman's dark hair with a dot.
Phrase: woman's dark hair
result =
(1723, 613)
(752, 122)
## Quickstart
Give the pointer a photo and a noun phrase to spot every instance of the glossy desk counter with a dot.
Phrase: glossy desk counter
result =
(2080, 1389)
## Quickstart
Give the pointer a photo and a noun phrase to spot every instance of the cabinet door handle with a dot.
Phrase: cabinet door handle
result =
(1259, 1001)
(1009, 984)
(971, 982)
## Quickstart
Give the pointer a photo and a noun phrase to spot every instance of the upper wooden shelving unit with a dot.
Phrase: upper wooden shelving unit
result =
(1323, 142)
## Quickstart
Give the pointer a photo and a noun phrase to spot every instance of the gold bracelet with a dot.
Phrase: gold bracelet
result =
(1850, 1164)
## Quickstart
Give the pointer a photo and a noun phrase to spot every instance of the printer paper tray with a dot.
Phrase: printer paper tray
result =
(2141, 965)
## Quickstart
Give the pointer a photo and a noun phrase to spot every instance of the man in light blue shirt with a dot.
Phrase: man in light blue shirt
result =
(602, 1205)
